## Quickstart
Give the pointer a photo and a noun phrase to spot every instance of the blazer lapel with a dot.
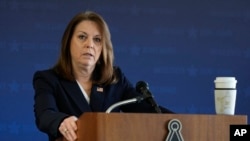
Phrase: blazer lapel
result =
(75, 93)
(97, 98)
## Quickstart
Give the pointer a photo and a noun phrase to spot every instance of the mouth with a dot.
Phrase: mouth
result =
(88, 54)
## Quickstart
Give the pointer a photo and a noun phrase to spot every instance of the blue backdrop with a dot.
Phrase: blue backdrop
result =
(178, 47)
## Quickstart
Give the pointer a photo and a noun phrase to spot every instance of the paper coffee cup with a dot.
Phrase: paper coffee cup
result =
(225, 95)
(225, 101)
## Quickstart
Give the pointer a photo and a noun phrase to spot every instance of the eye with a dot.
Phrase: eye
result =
(98, 40)
(82, 37)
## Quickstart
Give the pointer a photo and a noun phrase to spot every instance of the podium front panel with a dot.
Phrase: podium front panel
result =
(154, 127)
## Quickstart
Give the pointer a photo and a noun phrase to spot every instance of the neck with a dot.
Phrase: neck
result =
(83, 74)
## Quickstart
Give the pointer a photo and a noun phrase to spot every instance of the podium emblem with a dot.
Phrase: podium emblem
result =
(174, 128)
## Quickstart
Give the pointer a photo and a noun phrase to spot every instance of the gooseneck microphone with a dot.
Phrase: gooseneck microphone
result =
(128, 101)
(142, 87)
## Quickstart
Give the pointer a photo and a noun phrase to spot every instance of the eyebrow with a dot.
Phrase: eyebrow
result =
(98, 35)
(82, 32)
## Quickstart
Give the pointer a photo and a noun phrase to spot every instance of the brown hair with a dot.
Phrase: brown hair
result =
(104, 72)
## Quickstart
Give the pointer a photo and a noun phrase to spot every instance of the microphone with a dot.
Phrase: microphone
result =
(142, 87)
(137, 99)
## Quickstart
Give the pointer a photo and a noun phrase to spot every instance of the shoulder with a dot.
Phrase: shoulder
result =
(118, 73)
(117, 70)
(46, 75)
(121, 77)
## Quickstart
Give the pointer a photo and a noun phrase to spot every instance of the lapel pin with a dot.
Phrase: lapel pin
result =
(99, 89)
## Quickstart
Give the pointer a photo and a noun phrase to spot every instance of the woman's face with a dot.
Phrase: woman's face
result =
(86, 44)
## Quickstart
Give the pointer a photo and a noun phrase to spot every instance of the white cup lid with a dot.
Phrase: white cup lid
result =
(225, 79)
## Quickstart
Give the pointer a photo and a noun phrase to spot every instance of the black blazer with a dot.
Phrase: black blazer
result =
(56, 98)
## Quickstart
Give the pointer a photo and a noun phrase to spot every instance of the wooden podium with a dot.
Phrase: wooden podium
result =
(154, 127)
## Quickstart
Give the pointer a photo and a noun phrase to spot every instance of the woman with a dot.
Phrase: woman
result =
(83, 80)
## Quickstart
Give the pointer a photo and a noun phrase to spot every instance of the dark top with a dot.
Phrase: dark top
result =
(57, 98)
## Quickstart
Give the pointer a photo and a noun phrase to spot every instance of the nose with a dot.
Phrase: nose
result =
(89, 43)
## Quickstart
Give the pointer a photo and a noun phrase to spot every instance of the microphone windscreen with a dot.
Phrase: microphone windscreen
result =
(140, 85)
